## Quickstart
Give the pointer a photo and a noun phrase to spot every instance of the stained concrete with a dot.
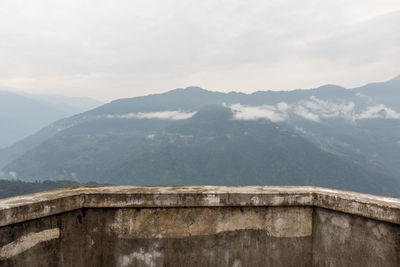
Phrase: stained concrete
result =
(199, 226)
(62, 249)
(341, 239)
(201, 236)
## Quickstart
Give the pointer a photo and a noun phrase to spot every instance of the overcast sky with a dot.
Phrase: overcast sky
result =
(124, 48)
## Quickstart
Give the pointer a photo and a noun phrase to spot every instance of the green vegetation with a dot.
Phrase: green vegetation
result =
(210, 148)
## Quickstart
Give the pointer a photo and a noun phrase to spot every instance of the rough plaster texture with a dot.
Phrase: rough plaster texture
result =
(341, 239)
(201, 236)
(199, 226)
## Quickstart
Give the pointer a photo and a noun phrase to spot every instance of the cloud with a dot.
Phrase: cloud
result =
(328, 109)
(325, 109)
(300, 129)
(150, 136)
(109, 50)
(313, 109)
(277, 113)
(305, 113)
(283, 106)
(268, 112)
(378, 111)
(160, 115)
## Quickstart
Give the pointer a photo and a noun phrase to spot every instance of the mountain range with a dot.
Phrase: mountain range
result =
(328, 136)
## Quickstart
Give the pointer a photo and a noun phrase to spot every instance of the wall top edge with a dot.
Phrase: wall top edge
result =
(189, 190)
(371, 206)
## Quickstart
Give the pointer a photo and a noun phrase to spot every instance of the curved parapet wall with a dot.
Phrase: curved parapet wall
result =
(199, 226)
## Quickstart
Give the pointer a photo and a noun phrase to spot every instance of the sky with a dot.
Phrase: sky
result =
(125, 48)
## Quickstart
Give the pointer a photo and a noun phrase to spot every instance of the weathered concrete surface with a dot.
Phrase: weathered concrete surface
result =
(28, 241)
(201, 236)
(341, 239)
(185, 222)
(51, 241)
(199, 226)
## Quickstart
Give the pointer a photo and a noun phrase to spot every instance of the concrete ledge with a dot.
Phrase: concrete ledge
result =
(38, 205)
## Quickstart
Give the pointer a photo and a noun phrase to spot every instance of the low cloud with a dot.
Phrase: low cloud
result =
(283, 106)
(150, 136)
(300, 130)
(313, 109)
(328, 109)
(268, 112)
(306, 114)
(160, 115)
(378, 111)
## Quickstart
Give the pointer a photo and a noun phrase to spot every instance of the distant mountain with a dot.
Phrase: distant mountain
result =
(21, 116)
(387, 93)
(328, 136)
(67, 104)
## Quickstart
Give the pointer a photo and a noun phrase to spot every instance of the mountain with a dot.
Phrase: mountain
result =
(195, 136)
(387, 93)
(208, 148)
(21, 116)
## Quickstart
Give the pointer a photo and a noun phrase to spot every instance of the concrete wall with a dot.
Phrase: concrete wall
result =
(341, 239)
(199, 226)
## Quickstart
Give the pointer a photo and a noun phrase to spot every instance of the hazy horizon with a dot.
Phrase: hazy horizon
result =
(38, 94)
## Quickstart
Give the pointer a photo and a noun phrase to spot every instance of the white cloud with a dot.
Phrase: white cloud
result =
(313, 109)
(378, 111)
(268, 112)
(150, 136)
(160, 115)
(306, 114)
(344, 109)
(283, 106)
(329, 109)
